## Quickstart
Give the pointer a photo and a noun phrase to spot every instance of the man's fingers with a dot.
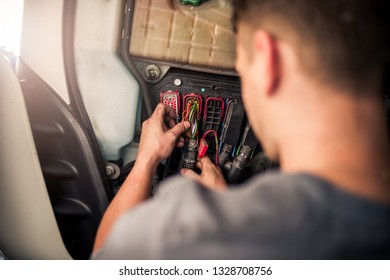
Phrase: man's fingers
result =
(160, 111)
(166, 114)
(190, 174)
(170, 112)
(179, 129)
(206, 163)
(170, 122)
(180, 142)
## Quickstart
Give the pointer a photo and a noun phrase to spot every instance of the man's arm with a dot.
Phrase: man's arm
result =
(157, 143)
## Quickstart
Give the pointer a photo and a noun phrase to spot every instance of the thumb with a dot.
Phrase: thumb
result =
(179, 129)
(206, 163)
(190, 174)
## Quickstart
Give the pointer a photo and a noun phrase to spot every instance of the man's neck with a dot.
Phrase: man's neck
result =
(345, 142)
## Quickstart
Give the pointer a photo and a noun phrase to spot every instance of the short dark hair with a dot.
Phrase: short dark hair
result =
(349, 38)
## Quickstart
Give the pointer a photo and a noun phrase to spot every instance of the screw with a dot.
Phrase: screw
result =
(152, 72)
(110, 170)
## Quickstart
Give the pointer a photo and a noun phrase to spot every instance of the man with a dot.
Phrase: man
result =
(311, 84)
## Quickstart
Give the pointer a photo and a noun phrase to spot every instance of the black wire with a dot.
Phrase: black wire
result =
(125, 170)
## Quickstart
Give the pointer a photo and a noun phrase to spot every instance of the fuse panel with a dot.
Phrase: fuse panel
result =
(218, 128)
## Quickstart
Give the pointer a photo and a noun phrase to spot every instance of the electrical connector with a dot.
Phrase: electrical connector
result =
(214, 109)
(193, 2)
(203, 147)
(192, 106)
(190, 153)
(171, 99)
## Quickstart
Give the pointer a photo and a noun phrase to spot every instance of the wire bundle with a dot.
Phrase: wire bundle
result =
(190, 114)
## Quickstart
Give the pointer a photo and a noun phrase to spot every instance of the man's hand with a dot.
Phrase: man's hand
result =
(211, 176)
(160, 134)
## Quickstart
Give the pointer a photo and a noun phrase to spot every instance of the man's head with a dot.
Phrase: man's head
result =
(340, 44)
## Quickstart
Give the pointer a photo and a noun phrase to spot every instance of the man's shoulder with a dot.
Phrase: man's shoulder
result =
(269, 179)
(268, 198)
(270, 186)
(274, 215)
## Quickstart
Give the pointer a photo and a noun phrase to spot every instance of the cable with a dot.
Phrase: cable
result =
(190, 114)
(125, 170)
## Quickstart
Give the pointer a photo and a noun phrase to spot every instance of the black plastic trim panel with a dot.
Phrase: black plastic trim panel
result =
(212, 85)
(73, 178)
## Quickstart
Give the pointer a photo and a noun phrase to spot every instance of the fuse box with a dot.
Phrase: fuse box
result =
(218, 129)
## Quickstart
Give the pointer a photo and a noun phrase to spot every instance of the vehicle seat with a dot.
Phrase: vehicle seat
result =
(28, 227)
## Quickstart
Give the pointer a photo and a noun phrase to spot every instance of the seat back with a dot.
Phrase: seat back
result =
(28, 228)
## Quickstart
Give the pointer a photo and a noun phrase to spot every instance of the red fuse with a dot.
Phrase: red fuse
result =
(202, 150)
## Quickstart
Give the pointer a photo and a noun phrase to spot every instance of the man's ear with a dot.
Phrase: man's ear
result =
(266, 55)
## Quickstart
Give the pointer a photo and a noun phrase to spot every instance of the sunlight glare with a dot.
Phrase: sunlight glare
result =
(11, 12)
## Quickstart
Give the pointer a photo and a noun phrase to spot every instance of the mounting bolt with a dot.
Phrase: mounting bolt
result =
(112, 171)
(152, 72)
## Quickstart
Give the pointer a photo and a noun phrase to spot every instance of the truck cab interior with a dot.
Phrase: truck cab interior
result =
(89, 73)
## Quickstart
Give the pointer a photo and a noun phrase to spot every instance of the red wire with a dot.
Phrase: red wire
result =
(216, 143)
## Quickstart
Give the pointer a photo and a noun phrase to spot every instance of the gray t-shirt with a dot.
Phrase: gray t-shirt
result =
(273, 216)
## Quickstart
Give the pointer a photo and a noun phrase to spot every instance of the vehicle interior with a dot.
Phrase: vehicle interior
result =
(89, 73)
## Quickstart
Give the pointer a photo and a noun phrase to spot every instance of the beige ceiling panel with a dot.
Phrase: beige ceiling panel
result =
(168, 31)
